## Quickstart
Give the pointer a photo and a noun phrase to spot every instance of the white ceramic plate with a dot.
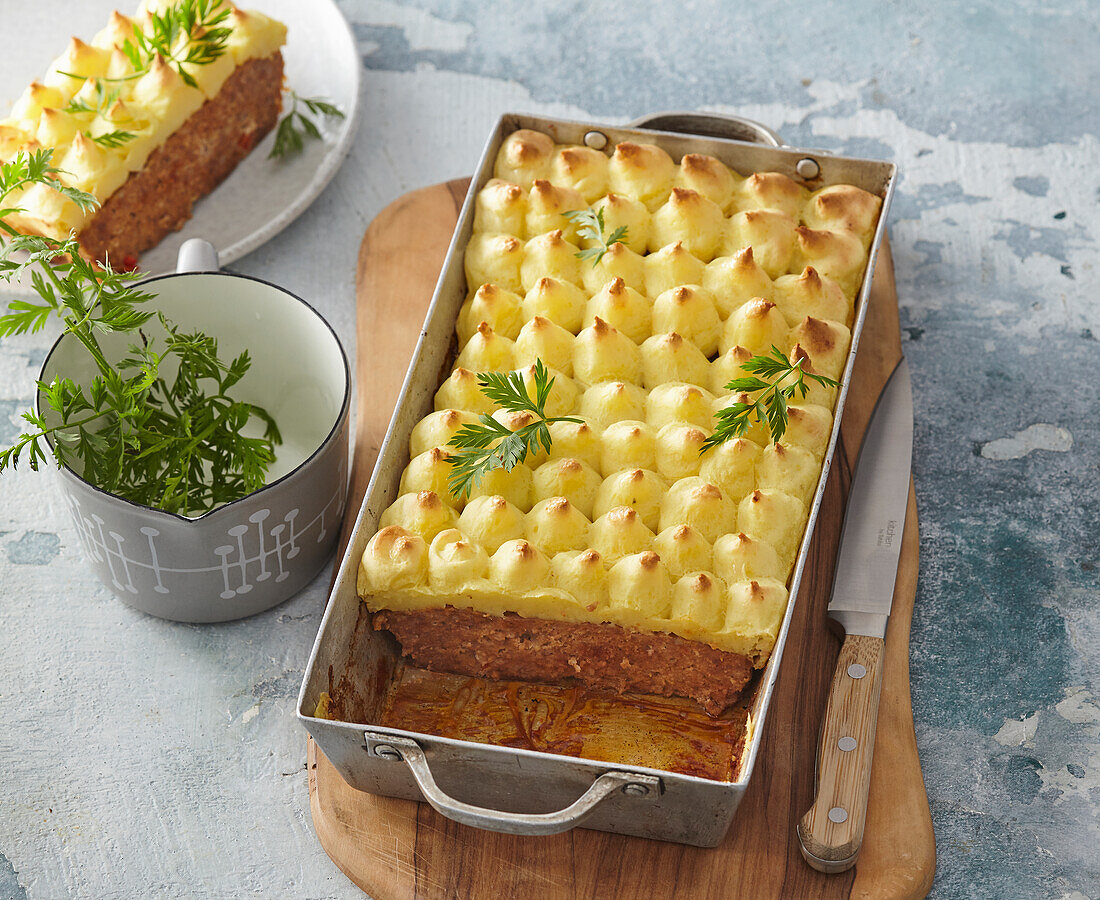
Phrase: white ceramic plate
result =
(262, 196)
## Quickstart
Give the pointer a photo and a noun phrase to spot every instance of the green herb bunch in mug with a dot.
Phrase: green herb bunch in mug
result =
(174, 442)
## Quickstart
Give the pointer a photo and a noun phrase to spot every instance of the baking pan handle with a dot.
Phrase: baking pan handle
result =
(637, 787)
(732, 128)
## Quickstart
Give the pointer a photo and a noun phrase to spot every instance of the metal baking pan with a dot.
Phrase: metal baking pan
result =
(525, 791)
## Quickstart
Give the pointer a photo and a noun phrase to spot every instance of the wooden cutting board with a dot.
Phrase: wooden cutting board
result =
(398, 849)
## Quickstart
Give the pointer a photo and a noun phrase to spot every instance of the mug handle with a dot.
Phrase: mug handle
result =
(197, 255)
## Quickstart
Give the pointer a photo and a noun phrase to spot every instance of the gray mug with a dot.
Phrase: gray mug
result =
(256, 552)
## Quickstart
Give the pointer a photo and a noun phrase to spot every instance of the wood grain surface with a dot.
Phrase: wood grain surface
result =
(844, 772)
(398, 849)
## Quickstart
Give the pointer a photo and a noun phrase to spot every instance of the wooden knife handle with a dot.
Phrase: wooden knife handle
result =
(832, 831)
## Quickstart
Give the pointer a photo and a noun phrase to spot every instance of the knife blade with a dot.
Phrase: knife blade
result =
(863, 587)
(831, 832)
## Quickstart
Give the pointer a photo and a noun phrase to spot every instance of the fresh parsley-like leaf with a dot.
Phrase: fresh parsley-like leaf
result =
(180, 443)
(296, 125)
(104, 99)
(187, 33)
(113, 139)
(28, 168)
(492, 445)
(775, 379)
(288, 139)
(82, 199)
(320, 107)
(591, 227)
(25, 317)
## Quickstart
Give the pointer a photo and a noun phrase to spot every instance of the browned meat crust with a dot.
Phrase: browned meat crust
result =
(605, 658)
(158, 198)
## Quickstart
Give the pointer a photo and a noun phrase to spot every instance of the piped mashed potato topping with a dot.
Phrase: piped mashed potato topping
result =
(66, 111)
(623, 521)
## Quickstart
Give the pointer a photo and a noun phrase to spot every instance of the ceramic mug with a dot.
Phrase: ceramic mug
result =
(256, 552)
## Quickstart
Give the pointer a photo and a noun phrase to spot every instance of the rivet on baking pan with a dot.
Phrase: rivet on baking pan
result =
(847, 743)
(807, 168)
(387, 752)
(597, 140)
(838, 814)
(635, 790)
(855, 670)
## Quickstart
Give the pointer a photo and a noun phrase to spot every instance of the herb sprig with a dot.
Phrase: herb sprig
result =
(173, 442)
(23, 170)
(491, 445)
(591, 228)
(112, 140)
(770, 405)
(104, 100)
(296, 126)
(187, 33)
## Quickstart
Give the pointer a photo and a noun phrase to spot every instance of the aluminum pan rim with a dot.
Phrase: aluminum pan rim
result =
(765, 690)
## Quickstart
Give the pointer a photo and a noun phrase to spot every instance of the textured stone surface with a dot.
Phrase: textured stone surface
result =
(146, 758)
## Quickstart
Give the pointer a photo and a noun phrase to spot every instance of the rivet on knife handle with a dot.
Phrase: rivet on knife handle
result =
(832, 831)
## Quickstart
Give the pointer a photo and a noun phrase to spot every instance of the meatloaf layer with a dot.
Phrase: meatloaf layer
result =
(158, 198)
(605, 658)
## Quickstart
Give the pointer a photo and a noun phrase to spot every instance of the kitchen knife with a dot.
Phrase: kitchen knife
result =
(863, 590)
